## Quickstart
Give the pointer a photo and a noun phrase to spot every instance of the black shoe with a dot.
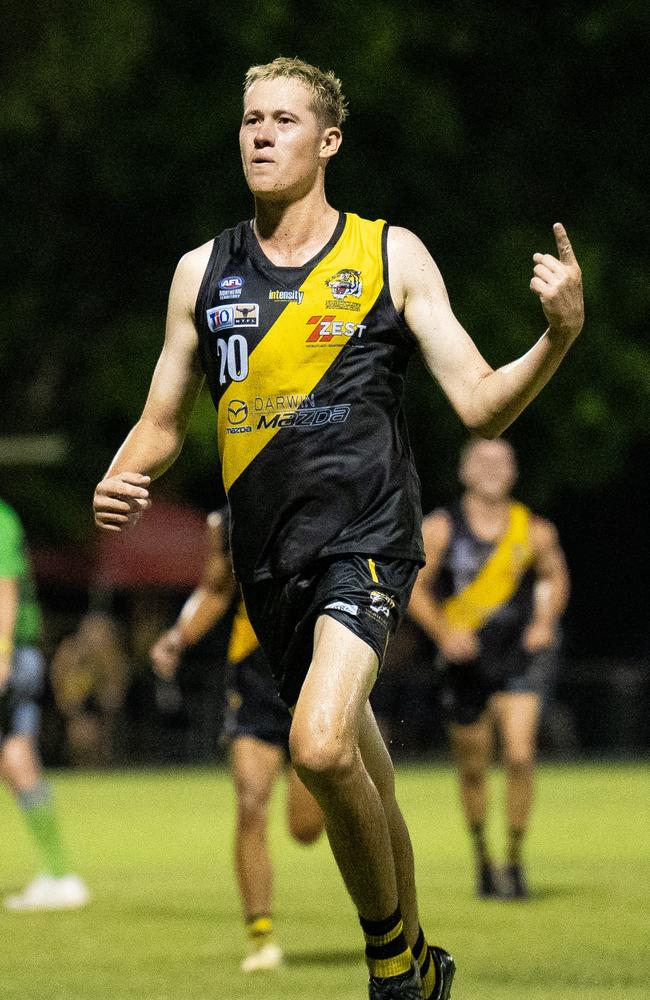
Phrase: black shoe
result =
(487, 883)
(516, 886)
(405, 987)
(445, 968)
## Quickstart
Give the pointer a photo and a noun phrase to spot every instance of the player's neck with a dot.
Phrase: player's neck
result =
(291, 234)
(487, 516)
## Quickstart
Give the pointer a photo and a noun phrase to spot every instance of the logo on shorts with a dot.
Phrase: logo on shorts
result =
(349, 609)
(381, 604)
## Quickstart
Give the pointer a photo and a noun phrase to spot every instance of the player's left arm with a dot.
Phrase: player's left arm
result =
(551, 588)
(485, 399)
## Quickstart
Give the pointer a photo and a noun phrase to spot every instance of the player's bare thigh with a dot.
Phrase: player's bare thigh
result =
(517, 716)
(327, 716)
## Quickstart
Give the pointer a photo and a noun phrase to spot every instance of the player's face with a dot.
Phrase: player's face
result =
(282, 142)
(489, 469)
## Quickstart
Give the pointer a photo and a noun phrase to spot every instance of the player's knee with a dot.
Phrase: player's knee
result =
(473, 773)
(252, 805)
(519, 763)
(319, 758)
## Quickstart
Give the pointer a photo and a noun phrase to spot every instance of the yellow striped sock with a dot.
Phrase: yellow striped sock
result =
(387, 953)
(427, 968)
(259, 930)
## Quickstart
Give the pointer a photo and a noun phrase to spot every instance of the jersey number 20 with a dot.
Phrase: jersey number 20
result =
(233, 358)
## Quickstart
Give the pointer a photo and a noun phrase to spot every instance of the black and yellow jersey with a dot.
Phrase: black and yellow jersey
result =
(488, 586)
(306, 368)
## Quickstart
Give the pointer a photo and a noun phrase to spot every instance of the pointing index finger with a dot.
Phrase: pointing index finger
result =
(564, 248)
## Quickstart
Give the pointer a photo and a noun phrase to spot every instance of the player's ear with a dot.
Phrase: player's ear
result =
(331, 142)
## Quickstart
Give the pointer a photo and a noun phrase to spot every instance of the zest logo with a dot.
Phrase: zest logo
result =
(325, 328)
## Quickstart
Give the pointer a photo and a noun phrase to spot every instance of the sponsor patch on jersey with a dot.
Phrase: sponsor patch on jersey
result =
(231, 287)
(329, 330)
(283, 401)
(349, 609)
(227, 317)
(237, 411)
(286, 295)
(305, 416)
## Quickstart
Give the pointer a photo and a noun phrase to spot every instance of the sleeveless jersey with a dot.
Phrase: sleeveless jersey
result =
(306, 369)
(488, 586)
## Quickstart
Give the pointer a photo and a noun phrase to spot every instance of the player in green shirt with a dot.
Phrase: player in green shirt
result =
(22, 670)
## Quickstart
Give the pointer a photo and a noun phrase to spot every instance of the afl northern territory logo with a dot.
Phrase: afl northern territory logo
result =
(237, 412)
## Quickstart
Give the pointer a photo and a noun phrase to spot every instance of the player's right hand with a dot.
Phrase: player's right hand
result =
(459, 645)
(165, 654)
(120, 500)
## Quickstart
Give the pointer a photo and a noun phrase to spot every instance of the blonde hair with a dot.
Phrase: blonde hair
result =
(328, 103)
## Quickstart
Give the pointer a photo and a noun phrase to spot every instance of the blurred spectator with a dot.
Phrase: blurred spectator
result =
(90, 677)
(22, 671)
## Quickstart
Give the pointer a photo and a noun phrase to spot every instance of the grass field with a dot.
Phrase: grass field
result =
(164, 923)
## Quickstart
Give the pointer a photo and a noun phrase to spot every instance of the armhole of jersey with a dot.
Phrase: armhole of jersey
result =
(400, 322)
(207, 274)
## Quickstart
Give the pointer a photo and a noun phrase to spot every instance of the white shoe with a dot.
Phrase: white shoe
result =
(268, 957)
(47, 892)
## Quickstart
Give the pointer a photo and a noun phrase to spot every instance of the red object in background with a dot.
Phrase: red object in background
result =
(165, 549)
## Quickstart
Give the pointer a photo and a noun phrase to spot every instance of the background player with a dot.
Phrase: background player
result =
(257, 726)
(491, 597)
(321, 482)
(22, 672)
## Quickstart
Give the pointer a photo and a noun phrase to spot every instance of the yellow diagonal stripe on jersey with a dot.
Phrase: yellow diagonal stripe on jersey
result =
(498, 578)
(283, 364)
(243, 640)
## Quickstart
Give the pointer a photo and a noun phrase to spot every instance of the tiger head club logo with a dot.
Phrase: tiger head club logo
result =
(345, 283)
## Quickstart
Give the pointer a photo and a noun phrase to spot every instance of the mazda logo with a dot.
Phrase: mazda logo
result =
(237, 411)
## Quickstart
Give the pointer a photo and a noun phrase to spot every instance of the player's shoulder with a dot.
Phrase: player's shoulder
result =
(404, 242)
(411, 265)
(195, 261)
(543, 532)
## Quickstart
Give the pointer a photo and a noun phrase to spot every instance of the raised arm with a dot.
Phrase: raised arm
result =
(486, 400)
(157, 438)
(205, 606)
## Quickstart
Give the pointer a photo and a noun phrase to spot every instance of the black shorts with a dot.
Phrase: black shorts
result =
(253, 706)
(466, 688)
(368, 596)
(20, 710)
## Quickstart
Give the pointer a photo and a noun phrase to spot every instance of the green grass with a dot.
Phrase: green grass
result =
(164, 924)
